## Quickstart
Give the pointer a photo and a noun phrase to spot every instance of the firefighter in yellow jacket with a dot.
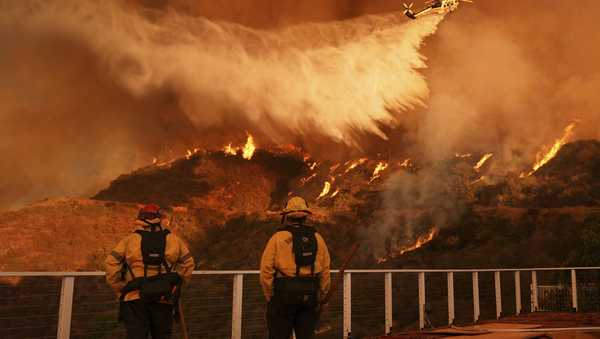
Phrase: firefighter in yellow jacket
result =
(146, 270)
(294, 274)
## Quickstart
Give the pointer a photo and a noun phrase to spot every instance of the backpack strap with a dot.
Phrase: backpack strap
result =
(129, 269)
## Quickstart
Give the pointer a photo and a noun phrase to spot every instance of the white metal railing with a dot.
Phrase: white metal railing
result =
(68, 283)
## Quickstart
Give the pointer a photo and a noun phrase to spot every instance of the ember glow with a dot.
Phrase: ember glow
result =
(405, 163)
(333, 168)
(305, 180)
(189, 153)
(381, 166)
(543, 158)
(482, 161)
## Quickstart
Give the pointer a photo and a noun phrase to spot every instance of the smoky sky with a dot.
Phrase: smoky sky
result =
(501, 77)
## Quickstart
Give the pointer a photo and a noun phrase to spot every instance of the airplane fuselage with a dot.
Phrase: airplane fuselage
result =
(438, 6)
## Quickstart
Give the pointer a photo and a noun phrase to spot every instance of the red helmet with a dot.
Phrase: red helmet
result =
(149, 212)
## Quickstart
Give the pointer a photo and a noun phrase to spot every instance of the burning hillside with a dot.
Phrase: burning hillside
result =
(144, 79)
(393, 148)
(396, 207)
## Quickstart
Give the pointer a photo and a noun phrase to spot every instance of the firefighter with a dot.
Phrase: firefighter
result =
(294, 274)
(146, 270)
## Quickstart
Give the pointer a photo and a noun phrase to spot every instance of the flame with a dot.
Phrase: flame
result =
(188, 154)
(381, 166)
(249, 148)
(164, 163)
(335, 193)
(304, 180)
(230, 150)
(478, 180)
(460, 155)
(558, 144)
(154, 161)
(333, 168)
(313, 165)
(381, 260)
(482, 161)
(355, 163)
(422, 240)
(325, 191)
(405, 163)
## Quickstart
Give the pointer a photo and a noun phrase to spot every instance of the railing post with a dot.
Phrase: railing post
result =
(421, 300)
(236, 309)
(534, 292)
(498, 289)
(388, 303)
(574, 290)
(66, 308)
(450, 298)
(476, 310)
(347, 305)
(518, 292)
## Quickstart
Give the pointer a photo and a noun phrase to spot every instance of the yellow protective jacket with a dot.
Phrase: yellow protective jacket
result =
(278, 259)
(129, 250)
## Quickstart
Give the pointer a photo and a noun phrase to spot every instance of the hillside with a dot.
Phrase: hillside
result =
(226, 207)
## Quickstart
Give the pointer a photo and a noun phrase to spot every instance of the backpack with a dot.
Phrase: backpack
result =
(300, 291)
(163, 286)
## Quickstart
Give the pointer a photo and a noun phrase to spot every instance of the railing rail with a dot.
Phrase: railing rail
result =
(68, 282)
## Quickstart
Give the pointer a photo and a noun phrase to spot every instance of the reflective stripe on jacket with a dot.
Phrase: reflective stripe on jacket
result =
(129, 250)
(278, 258)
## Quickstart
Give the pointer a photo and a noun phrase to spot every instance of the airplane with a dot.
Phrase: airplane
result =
(434, 6)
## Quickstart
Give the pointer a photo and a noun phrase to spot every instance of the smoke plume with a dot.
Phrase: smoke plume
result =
(92, 89)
